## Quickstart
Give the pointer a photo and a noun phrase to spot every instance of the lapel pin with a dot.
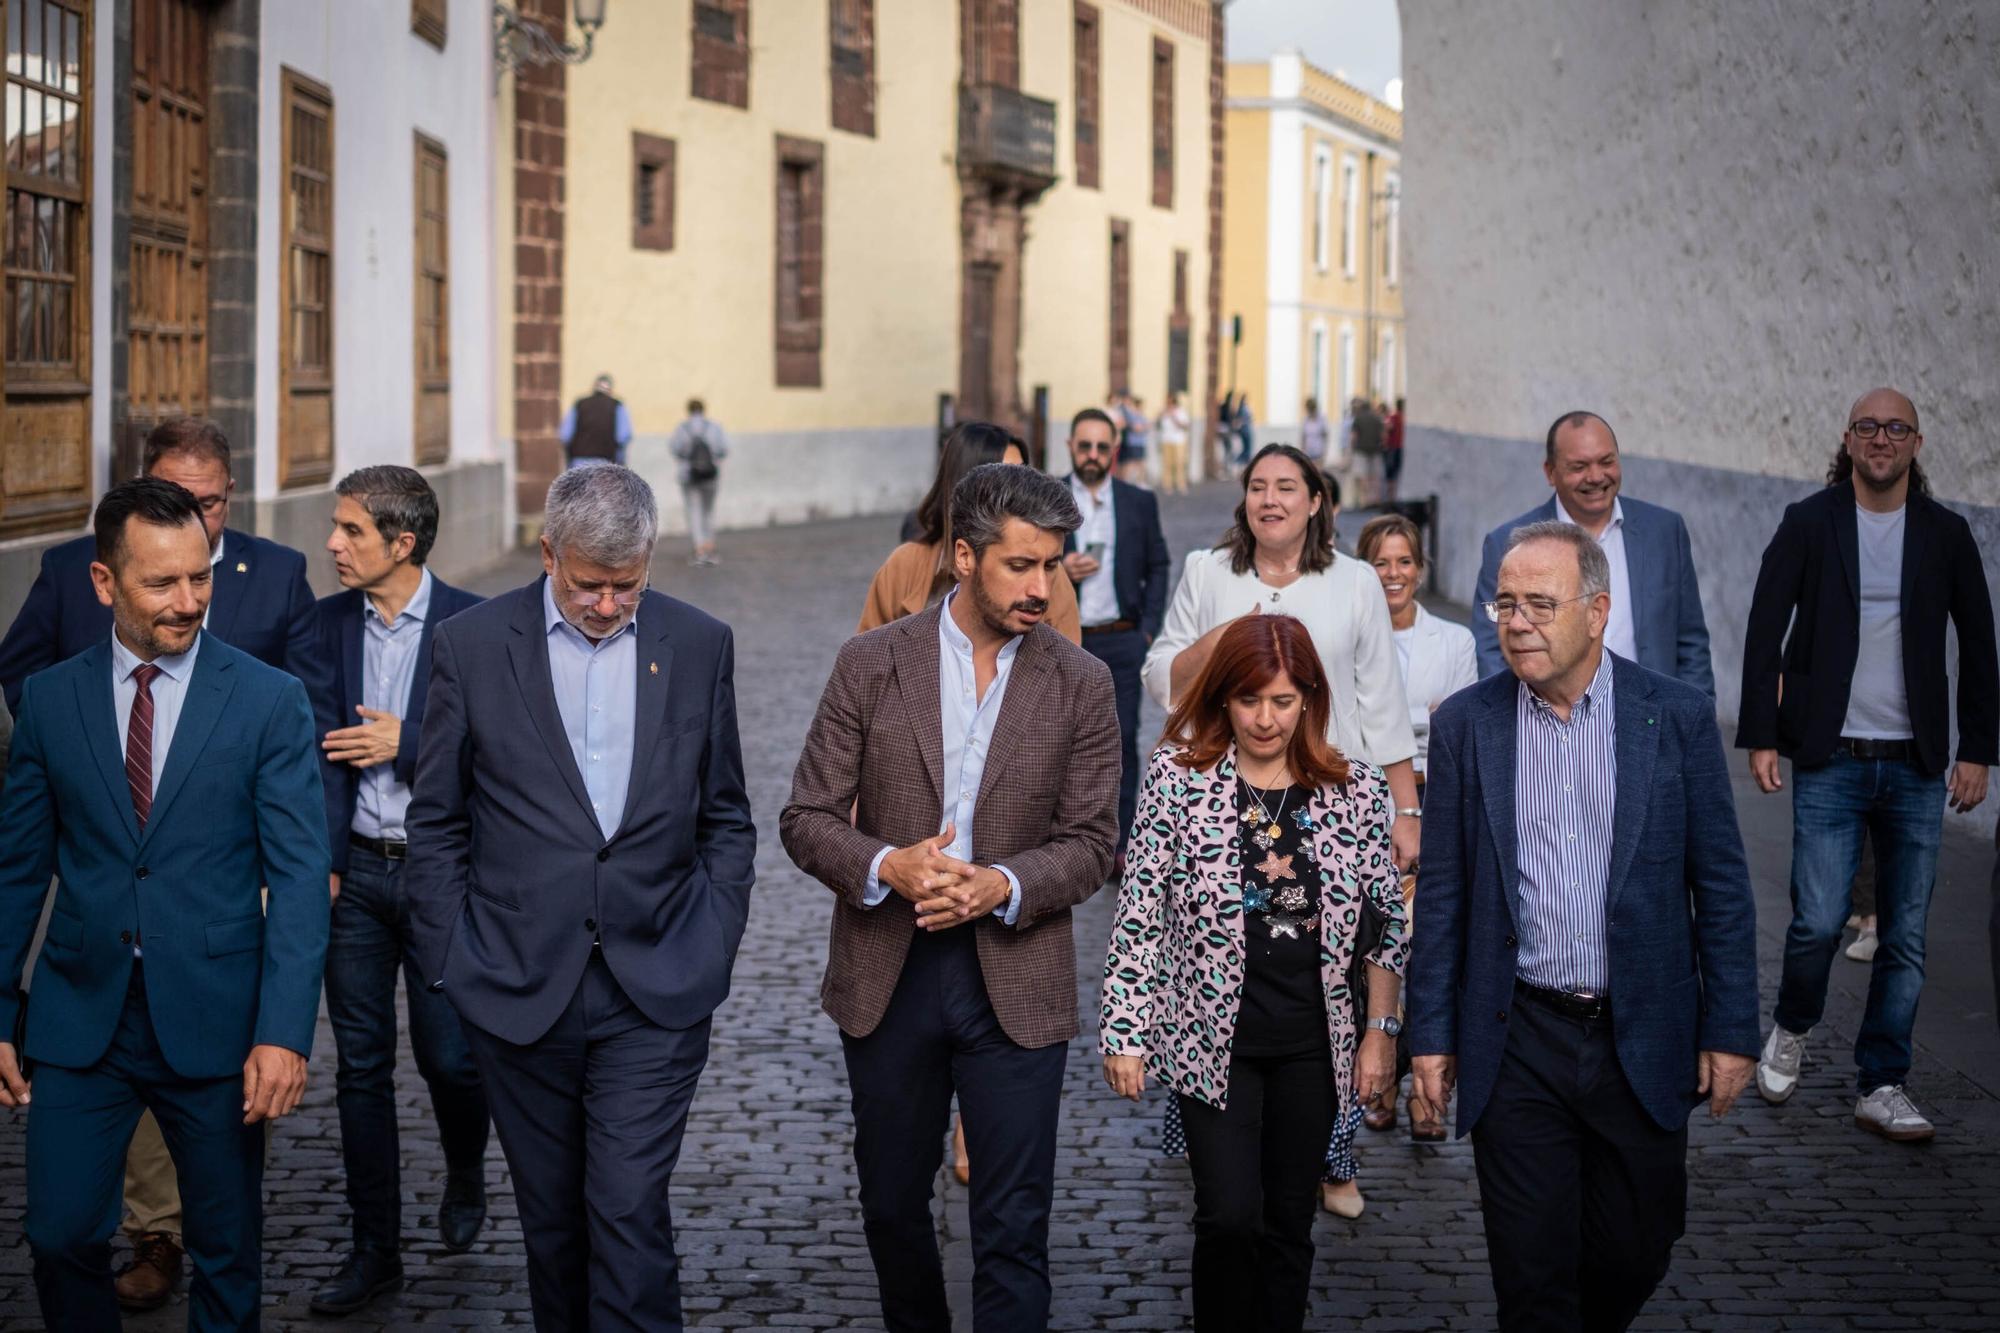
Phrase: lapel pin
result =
(1649, 721)
(242, 567)
(653, 667)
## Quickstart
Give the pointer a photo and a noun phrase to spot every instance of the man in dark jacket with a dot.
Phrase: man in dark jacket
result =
(597, 427)
(1864, 575)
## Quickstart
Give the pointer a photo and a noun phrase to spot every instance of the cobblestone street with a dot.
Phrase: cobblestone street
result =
(1797, 1219)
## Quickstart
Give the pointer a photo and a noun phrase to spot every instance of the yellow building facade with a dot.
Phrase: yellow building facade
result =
(1311, 243)
(840, 222)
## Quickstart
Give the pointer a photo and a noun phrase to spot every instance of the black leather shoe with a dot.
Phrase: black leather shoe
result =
(463, 1212)
(366, 1275)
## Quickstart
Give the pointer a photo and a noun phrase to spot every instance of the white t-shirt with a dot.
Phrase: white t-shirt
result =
(1878, 704)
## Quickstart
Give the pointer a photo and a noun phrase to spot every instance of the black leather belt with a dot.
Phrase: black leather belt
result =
(382, 847)
(1574, 1004)
(1111, 627)
(1857, 747)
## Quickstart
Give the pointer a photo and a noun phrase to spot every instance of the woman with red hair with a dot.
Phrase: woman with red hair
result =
(1260, 926)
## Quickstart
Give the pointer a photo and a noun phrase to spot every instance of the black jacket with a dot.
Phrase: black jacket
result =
(1811, 581)
(1141, 569)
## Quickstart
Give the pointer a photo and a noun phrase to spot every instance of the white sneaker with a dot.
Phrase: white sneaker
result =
(1888, 1111)
(1863, 948)
(1778, 1066)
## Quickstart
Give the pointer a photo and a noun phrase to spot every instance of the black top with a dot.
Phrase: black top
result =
(1284, 1005)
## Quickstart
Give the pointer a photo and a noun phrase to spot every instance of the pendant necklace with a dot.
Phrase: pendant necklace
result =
(1268, 827)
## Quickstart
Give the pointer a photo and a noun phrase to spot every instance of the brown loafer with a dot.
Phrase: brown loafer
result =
(1426, 1122)
(1382, 1116)
(153, 1275)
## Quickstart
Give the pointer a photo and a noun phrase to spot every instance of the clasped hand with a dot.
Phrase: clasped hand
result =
(367, 744)
(945, 891)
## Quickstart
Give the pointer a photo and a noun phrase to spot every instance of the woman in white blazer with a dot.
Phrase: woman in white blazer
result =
(1278, 556)
(1438, 660)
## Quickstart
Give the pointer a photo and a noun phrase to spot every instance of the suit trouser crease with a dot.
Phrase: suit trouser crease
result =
(1124, 652)
(1583, 1193)
(1256, 1167)
(940, 1035)
(591, 1117)
(1901, 811)
(369, 944)
(78, 1127)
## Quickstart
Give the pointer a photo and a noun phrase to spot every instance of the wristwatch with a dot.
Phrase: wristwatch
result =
(1391, 1025)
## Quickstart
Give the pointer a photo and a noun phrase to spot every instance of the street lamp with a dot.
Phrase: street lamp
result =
(519, 41)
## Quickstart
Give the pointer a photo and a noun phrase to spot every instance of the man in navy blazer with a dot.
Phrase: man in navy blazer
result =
(377, 634)
(1119, 563)
(1656, 617)
(1584, 963)
(259, 603)
(579, 878)
(165, 779)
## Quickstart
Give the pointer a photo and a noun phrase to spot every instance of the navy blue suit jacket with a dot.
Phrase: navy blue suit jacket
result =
(261, 604)
(1682, 934)
(1141, 569)
(509, 877)
(340, 630)
(237, 810)
(1667, 621)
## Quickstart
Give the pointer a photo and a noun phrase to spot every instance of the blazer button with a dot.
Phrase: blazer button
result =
(1512, 942)
(590, 923)
(604, 853)
(143, 872)
(124, 937)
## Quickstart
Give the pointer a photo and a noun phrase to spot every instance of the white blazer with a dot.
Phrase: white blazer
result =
(1343, 611)
(1443, 661)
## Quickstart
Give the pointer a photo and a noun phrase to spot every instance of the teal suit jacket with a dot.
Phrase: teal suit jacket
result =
(239, 808)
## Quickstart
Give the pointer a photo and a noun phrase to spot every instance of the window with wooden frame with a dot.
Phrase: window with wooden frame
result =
(721, 45)
(851, 51)
(1119, 360)
(1392, 220)
(45, 473)
(427, 20)
(652, 192)
(433, 302)
(1163, 123)
(1180, 328)
(799, 317)
(305, 298)
(1086, 27)
(1350, 200)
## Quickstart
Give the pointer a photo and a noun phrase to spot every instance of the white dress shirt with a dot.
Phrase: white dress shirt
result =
(388, 671)
(169, 692)
(1097, 596)
(597, 693)
(1619, 635)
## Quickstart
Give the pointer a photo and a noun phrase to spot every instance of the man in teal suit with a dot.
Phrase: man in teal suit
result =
(164, 778)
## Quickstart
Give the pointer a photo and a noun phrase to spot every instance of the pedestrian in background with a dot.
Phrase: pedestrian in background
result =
(1259, 852)
(1368, 438)
(1845, 673)
(1134, 443)
(699, 445)
(1174, 430)
(596, 428)
(1392, 451)
(957, 793)
(1584, 959)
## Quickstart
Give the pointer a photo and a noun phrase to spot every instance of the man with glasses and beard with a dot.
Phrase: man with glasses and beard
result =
(957, 794)
(1656, 617)
(579, 874)
(1119, 563)
(1844, 673)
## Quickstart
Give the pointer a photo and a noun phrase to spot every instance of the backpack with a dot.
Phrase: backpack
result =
(701, 460)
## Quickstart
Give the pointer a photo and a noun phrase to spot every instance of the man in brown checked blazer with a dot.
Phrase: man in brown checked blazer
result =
(978, 752)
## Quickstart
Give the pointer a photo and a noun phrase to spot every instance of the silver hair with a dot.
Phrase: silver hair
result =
(986, 497)
(1593, 568)
(602, 512)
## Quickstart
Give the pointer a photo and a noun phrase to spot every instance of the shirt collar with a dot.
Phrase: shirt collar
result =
(124, 661)
(954, 638)
(417, 609)
(1594, 695)
(1083, 492)
(1617, 514)
(552, 618)
(215, 556)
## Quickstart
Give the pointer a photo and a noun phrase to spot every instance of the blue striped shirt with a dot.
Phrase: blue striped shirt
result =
(1565, 797)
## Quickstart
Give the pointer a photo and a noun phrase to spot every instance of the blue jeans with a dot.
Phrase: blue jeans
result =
(369, 944)
(1902, 811)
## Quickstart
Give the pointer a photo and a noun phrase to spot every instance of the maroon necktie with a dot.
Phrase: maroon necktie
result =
(139, 744)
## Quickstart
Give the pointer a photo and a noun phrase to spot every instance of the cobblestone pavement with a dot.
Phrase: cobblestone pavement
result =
(1797, 1220)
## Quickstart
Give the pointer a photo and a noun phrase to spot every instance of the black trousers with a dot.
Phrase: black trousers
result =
(940, 1035)
(1256, 1166)
(1124, 651)
(1583, 1193)
(591, 1117)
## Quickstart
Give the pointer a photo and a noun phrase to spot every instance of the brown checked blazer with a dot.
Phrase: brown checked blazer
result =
(1046, 810)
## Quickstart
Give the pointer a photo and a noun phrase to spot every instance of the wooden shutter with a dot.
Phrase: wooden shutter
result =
(305, 302)
(432, 303)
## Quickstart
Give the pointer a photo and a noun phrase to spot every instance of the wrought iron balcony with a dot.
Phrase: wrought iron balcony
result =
(1006, 136)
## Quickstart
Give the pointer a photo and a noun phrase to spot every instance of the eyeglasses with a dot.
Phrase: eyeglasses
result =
(1538, 610)
(1868, 427)
(581, 597)
(1094, 447)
